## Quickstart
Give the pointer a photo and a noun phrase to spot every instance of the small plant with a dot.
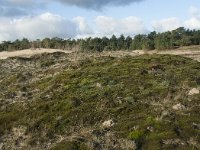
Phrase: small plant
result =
(136, 135)
(139, 137)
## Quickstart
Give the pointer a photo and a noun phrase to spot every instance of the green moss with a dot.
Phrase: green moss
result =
(136, 135)
(122, 89)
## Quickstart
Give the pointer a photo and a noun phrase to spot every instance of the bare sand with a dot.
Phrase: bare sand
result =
(28, 52)
(194, 54)
(191, 52)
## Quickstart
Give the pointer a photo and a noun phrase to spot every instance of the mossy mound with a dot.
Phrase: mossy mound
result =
(136, 93)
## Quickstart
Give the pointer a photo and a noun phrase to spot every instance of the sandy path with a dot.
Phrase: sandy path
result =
(28, 53)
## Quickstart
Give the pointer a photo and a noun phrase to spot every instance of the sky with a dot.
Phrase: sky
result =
(37, 19)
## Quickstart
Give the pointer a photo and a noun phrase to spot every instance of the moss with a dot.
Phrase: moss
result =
(136, 135)
(121, 89)
(139, 137)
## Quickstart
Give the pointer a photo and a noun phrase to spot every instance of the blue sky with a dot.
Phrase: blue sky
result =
(82, 18)
(147, 9)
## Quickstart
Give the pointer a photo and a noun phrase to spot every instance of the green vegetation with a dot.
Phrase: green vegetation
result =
(160, 41)
(136, 135)
(134, 92)
(66, 145)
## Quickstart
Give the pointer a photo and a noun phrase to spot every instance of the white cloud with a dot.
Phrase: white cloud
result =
(194, 21)
(51, 25)
(173, 23)
(44, 25)
(128, 26)
(83, 27)
(166, 24)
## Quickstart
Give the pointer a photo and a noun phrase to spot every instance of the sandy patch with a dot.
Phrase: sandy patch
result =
(191, 53)
(29, 52)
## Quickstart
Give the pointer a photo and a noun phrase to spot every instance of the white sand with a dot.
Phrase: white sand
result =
(28, 52)
(194, 54)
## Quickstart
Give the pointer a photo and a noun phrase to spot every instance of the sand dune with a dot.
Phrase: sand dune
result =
(29, 52)
(194, 54)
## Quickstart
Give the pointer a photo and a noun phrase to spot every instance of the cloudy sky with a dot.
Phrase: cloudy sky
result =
(82, 18)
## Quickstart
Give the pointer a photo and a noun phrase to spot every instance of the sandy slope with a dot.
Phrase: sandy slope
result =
(191, 52)
(194, 54)
(28, 53)
(186, 51)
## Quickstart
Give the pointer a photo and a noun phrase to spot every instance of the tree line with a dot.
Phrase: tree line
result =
(160, 41)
